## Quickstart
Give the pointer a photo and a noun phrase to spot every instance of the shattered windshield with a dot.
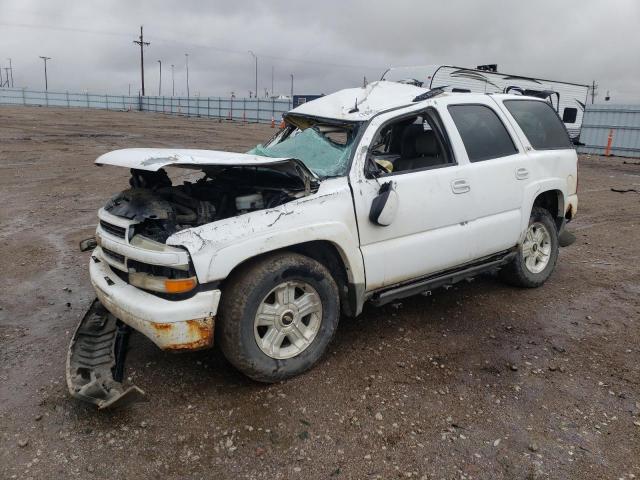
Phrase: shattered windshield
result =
(324, 149)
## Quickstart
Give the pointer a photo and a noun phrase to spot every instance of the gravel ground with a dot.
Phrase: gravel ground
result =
(477, 381)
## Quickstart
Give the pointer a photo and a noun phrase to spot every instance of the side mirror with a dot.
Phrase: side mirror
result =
(384, 206)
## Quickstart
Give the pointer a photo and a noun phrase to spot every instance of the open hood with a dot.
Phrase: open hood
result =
(153, 159)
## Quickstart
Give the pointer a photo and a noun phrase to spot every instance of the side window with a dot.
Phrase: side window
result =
(483, 133)
(540, 123)
(410, 143)
(569, 115)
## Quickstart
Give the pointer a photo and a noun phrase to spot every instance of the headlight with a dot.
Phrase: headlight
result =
(162, 284)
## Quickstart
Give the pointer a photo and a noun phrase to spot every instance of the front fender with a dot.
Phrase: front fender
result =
(217, 248)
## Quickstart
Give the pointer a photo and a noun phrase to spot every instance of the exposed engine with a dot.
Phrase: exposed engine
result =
(163, 209)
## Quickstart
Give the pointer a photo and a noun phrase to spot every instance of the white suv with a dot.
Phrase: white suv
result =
(368, 194)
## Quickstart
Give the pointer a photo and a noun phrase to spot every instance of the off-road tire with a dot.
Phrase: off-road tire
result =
(516, 272)
(242, 295)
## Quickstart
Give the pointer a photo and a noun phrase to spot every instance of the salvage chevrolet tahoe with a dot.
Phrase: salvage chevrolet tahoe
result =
(366, 195)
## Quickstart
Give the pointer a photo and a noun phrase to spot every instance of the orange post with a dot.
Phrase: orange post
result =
(282, 125)
(607, 151)
(273, 122)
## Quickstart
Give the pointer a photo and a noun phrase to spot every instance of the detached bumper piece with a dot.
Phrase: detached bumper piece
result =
(95, 361)
(565, 237)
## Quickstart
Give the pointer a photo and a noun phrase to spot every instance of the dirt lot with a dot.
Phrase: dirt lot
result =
(478, 381)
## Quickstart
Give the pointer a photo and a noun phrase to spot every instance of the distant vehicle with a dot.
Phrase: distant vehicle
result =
(568, 99)
(300, 99)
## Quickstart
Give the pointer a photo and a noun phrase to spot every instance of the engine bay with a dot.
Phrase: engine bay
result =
(163, 209)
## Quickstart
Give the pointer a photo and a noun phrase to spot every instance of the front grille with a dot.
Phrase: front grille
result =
(113, 255)
(112, 229)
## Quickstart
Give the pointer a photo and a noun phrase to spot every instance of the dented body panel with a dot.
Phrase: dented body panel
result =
(363, 103)
(184, 325)
(153, 159)
(217, 248)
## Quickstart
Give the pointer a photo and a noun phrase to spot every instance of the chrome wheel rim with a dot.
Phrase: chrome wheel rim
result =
(536, 248)
(288, 320)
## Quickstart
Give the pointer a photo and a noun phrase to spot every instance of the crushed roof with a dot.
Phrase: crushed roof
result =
(370, 100)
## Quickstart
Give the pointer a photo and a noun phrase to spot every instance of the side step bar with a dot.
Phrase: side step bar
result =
(441, 279)
(95, 361)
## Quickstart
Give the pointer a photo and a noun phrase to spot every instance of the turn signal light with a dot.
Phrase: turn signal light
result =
(180, 285)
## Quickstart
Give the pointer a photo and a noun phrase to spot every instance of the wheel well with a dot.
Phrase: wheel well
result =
(553, 202)
(328, 255)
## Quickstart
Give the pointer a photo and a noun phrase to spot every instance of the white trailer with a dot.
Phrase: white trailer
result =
(568, 99)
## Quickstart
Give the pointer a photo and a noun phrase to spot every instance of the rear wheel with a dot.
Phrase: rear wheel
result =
(278, 315)
(537, 255)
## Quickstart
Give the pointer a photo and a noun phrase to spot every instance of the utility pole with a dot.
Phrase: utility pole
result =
(11, 71)
(6, 72)
(187, 57)
(173, 83)
(291, 89)
(46, 83)
(142, 44)
(160, 79)
(594, 86)
(1, 83)
(255, 57)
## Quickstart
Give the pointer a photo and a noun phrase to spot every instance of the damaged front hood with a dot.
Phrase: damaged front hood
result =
(153, 159)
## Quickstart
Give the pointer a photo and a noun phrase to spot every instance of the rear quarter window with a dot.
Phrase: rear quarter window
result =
(540, 124)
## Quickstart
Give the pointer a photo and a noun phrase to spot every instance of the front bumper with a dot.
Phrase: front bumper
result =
(172, 325)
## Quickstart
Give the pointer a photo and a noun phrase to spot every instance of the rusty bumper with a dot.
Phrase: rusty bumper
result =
(172, 325)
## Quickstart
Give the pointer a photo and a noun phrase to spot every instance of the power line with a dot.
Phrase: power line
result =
(186, 56)
(594, 91)
(46, 83)
(195, 45)
(142, 44)
(11, 71)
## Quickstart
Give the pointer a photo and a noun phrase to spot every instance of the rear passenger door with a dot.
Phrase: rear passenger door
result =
(497, 172)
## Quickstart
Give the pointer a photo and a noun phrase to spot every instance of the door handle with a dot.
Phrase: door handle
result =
(522, 173)
(460, 185)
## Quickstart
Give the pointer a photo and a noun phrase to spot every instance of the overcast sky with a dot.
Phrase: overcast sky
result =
(326, 44)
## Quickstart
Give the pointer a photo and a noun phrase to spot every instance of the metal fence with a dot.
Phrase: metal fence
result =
(239, 109)
(620, 122)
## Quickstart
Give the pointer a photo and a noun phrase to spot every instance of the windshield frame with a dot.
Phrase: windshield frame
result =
(294, 121)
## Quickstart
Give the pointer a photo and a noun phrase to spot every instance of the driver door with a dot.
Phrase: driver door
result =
(430, 228)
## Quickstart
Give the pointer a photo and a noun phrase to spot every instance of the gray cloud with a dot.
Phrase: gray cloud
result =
(327, 45)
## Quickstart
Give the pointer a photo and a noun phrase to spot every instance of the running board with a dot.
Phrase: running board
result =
(95, 361)
(448, 277)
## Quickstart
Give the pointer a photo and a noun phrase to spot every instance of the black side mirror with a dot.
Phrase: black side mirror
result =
(384, 206)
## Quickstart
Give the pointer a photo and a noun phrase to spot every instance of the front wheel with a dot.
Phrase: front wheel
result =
(537, 255)
(278, 315)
